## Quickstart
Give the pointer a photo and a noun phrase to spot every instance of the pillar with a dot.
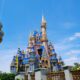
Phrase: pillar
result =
(40, 74)
(29, 77)
(68, 75)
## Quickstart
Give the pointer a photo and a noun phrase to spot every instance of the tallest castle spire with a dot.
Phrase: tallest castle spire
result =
(43, 29)
(43, 24)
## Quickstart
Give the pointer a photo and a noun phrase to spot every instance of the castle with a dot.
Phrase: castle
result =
(40, 53)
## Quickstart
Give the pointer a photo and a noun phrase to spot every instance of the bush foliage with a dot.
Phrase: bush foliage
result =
(7, 76)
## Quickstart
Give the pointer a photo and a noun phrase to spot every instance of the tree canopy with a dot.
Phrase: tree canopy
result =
(76, 66)
(7, 76)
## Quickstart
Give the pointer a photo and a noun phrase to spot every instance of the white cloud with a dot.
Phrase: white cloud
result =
(62, 46)
(69, 54)
(73, 52)
(72, 57)
(71, 60)
(5, 59)
(75, 36)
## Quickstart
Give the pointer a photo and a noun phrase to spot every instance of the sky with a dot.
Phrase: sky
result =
(20, 17)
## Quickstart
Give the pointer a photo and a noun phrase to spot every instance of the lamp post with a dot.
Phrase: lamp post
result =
(1, 32)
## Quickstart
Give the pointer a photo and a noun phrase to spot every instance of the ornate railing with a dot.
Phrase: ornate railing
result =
(76, 74)
(26, 77)
(32, 76)
(56, 76)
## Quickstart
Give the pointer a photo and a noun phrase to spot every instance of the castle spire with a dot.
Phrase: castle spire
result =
(30, 35)
(43, 19)
(30, 41)
(43, 23)
(43, 29)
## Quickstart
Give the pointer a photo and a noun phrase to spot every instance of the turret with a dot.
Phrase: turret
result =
(13, 66)
(32, 61)
(16, 63)
(26, 62)
(53, 58)
(60, 63)
(30, 44)
(30, 40)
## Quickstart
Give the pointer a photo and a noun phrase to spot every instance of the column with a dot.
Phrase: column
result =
(68, 75)
(40, 74)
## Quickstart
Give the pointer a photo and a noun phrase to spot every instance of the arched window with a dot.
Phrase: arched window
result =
(46, 62)
(42, 61)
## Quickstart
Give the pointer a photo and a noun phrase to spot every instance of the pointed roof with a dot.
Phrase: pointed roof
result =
(59, 58)
(43, 20)
(30, 37)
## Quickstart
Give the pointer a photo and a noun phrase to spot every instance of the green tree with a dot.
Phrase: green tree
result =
(76, 66)
(18, 79)
(7, 76)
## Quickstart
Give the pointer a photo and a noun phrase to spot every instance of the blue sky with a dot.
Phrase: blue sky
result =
(20, 17)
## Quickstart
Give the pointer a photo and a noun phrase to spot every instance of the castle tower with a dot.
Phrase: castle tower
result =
(30, 43)
(43, 30)
(16, 63)
(13, 66)
(60, 63)
(30, 40)
(53, 58)
(45, 60)
(31, 53)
